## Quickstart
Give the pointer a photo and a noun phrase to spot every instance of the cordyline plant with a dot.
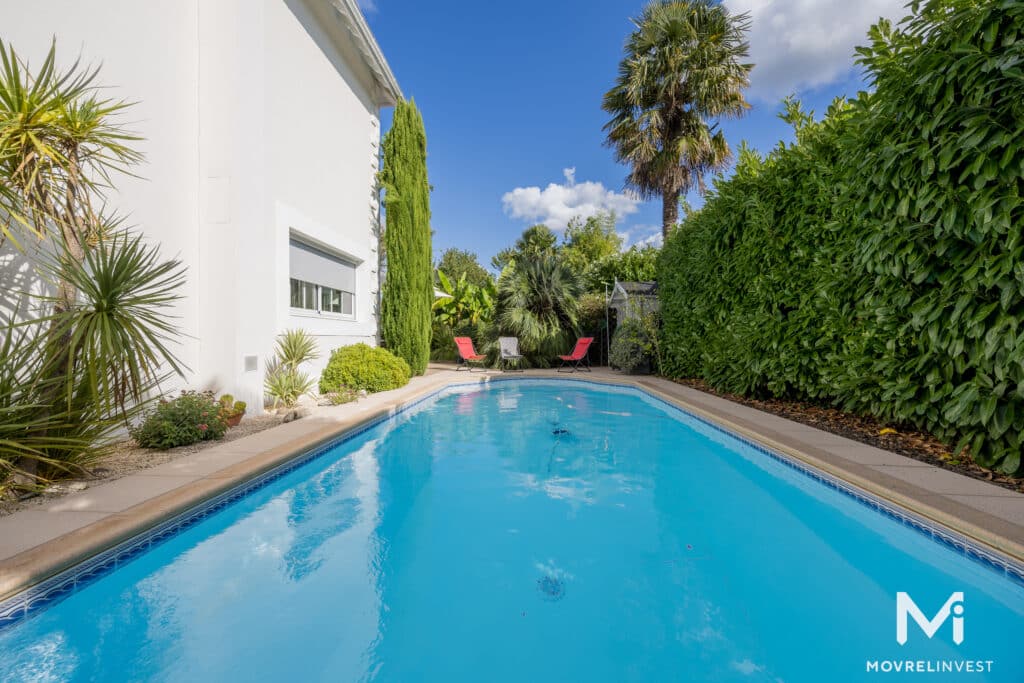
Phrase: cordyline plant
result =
(88, 342)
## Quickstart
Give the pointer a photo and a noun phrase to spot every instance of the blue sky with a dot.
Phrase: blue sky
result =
(511, 99)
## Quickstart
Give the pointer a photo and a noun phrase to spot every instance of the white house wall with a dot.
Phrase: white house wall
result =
(155, 69)
(256, 126)
(322, 147)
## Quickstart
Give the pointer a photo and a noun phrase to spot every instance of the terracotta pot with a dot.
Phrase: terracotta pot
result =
(234, 420)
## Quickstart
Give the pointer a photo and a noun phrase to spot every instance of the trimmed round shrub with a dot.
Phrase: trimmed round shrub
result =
(181, 421)
(631, 348)
(363, 367)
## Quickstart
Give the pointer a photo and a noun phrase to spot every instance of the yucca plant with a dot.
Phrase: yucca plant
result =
(70, 380)
(284, 383)
(295, 347)
(117, 330)
(77, 364)
(59, 146)
(33, 431)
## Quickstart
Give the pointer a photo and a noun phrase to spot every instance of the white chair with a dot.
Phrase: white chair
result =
(509, 354)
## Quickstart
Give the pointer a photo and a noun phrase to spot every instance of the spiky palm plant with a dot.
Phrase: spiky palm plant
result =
(70, 380)
(79, 363)
(295, 347)
(682, 70)
(59, 145)
(538, 302)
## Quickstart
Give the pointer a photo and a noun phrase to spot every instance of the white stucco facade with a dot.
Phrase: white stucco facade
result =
(260, 121)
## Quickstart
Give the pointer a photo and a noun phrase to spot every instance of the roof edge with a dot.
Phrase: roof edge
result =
(368, 48)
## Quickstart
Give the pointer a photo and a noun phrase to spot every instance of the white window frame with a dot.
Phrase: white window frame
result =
(318, 311)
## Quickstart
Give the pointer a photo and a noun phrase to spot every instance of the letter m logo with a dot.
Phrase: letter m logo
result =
(906, 607)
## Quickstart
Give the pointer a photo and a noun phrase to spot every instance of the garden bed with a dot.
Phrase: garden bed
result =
(127, 458)
(905, 440)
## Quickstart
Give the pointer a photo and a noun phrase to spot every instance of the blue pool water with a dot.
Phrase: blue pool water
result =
(531, 531)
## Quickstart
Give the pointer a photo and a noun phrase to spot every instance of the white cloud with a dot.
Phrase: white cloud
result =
(642, 236)
(367, 6)
(799, 44)
(557, 204)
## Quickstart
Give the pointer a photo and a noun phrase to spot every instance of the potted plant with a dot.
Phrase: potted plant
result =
(231, 411)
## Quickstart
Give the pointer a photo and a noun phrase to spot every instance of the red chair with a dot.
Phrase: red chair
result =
(468, 355)
(574, 361)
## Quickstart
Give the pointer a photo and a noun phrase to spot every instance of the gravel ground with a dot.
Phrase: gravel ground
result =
(902, 439)
(127, 458)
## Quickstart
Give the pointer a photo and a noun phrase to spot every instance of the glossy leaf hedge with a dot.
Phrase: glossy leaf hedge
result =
(877, 262)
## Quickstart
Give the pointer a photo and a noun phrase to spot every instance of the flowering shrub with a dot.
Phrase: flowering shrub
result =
(191, 417)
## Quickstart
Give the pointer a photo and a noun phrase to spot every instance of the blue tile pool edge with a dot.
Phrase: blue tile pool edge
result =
(59, 586)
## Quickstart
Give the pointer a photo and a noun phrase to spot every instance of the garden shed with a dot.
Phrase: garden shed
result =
(633, 299)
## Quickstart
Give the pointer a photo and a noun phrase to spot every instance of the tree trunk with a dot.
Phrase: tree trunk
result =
(669, 211)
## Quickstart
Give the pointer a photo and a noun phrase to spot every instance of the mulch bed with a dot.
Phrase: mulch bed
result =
(127, 458)
(906, 440)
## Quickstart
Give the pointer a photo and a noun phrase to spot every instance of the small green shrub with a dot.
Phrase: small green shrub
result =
(181, 421)
(632, 348)
(363, 367)
(342, 396)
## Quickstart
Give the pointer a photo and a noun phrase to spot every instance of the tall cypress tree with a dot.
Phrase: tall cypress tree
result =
(408, 286)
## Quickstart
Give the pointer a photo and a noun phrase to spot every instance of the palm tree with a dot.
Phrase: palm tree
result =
(682, 70)
(538, 302)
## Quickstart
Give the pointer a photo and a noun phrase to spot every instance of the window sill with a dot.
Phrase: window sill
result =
(307, 313)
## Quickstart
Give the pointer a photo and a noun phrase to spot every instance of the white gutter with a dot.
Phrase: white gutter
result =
(367, 46)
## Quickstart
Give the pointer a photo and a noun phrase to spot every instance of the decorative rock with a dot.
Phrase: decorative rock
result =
(77, 486)
(362, 393)
(295, 414)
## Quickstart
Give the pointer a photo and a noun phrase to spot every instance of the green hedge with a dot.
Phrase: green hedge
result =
(877, 262)
(366, 367)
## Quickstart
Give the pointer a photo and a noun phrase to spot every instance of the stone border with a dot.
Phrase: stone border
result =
(45, 573)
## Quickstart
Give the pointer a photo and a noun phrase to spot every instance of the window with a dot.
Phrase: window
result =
(320, 282)
(303, 295)
(336, 301)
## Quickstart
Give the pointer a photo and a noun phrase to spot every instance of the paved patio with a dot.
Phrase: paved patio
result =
(37, 543)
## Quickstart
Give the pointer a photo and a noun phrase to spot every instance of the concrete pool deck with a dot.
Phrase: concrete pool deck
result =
(42, 541)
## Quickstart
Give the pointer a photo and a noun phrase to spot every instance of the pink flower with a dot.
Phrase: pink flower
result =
(203, 427)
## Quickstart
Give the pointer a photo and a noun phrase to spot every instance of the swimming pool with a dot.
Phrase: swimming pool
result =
(528, 530)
